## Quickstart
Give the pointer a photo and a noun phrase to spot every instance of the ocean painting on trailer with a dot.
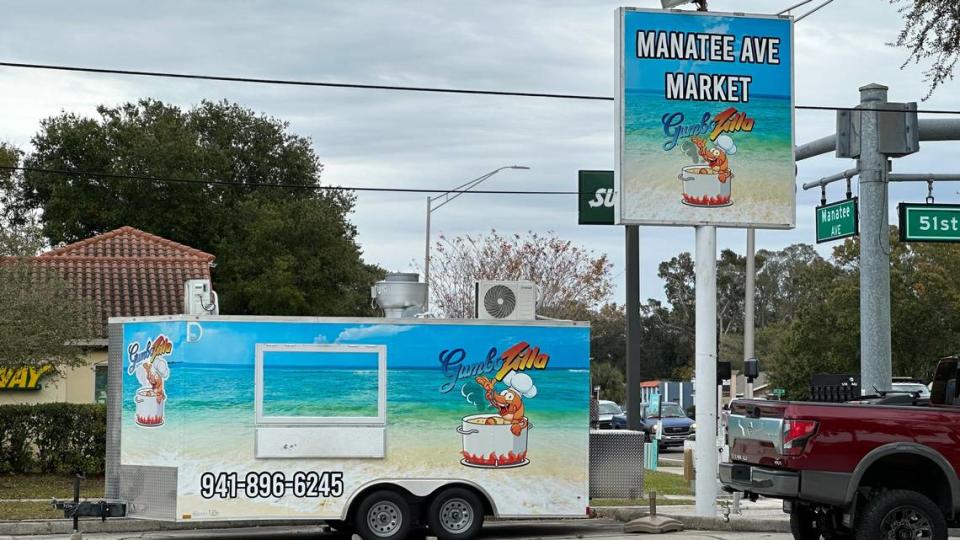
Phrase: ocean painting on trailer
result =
(503, 406)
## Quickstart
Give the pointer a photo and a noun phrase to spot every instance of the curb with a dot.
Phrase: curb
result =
(735, 523)
(125, 525)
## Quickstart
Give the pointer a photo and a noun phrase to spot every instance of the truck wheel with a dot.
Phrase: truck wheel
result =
(900, 513)
(804, 524)
(455, 514)
(383, 515)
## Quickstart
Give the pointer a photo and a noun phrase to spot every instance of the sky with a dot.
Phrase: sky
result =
(396, 139)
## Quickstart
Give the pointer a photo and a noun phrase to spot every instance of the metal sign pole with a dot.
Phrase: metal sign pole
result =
(634, 416)
(748, 308)
(706, 370)
(875, 368)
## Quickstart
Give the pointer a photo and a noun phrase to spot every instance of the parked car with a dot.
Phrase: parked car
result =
(671, 418)
(913, 387)
(611, 416)
(884, 467)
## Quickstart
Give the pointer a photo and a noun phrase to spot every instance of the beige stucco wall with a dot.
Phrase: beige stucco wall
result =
(76, 385)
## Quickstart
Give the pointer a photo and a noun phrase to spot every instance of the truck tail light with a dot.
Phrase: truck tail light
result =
(796, 433)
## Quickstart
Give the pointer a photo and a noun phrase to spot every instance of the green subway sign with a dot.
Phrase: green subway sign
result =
(929, 222)
(596, 197)
(837, 220)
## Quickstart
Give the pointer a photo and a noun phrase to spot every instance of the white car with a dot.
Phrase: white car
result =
(911, 387)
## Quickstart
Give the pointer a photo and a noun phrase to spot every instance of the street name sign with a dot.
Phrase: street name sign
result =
(838, 220)
(596, 197)
(920, 222)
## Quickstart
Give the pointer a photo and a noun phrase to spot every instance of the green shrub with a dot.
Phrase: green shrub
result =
(61, 438)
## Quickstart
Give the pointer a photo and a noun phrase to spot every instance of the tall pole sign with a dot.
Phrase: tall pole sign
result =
(705, 138)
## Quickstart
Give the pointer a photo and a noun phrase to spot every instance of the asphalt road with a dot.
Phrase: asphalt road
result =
(550, 530)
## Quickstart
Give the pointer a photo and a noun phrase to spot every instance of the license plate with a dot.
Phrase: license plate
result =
(740, 473)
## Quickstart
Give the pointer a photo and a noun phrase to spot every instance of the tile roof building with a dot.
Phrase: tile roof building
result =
(128, 272)
(125, 273)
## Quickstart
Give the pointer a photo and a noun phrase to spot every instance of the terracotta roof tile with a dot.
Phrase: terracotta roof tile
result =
(128, 272)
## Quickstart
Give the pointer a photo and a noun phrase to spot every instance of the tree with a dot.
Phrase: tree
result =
(245, 154)
(42, 323)
(610, 380)
(931, 31)
(567, 274)
(23, 238)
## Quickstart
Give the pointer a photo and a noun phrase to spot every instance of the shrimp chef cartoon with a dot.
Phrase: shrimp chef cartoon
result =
(497, 438)
(152, 370)
(509, 402)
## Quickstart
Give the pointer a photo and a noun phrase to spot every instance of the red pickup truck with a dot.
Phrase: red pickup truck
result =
(853, 470)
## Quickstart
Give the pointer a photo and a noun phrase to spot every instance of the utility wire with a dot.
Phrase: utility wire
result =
(438, 90)
(162, 179)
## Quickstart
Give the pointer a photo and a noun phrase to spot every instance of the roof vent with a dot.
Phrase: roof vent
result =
(400, 295)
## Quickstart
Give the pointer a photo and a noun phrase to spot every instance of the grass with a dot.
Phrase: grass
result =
(660, 482)
(666, 483)
(47, 486)
(18, 511)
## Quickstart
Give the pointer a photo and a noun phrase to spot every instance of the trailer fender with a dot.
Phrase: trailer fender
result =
(418, 487)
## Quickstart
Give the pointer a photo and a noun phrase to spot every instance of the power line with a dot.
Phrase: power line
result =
(162, 179)
(437, 90)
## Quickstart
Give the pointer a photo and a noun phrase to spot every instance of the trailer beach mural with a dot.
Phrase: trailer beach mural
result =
(503, 406)
(705, 113)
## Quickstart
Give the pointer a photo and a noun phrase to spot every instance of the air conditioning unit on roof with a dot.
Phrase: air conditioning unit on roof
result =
(199, 298)
(506, 300)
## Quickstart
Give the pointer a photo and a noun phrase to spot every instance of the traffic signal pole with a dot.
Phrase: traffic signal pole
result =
(873, 133)
(875, 362)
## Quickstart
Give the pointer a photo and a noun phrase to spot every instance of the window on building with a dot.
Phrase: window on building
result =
(100, 384)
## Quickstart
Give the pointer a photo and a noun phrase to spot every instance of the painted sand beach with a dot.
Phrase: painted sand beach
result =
(762, 186)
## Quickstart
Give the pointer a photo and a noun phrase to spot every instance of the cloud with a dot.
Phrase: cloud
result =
(362, 333)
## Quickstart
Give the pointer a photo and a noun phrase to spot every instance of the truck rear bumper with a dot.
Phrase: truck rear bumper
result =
(760, 480)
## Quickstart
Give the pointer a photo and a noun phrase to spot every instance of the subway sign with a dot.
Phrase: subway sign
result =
(837, 220)
(920, 222)
(596, 197)
(22, 378)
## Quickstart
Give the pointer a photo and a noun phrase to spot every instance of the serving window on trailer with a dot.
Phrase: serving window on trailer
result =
(354, 377)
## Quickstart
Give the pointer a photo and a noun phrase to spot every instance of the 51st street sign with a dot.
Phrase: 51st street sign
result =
(837, 220)
(920, 222)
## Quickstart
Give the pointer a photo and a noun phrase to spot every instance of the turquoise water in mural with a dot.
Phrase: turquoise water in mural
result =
(225, 395)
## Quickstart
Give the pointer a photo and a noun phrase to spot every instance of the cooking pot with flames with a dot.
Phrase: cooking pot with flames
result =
(492, 446)
(702, 187)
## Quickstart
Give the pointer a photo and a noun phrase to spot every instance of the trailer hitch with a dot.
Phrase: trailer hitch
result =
(76, 508)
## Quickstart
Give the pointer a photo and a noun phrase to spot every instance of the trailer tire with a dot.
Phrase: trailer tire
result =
(383, 515)
(901, 511)
(455, 513)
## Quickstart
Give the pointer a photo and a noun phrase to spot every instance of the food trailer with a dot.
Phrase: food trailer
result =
(376, 425)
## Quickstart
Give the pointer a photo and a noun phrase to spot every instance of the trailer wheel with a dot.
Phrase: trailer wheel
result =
(455, 514)
(383, 515)
(900, 513)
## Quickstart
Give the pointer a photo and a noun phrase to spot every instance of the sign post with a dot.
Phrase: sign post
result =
(705, 138)
(838, 220)
(929, 222)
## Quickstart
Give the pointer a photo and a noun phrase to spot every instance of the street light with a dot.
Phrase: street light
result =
(448, 196)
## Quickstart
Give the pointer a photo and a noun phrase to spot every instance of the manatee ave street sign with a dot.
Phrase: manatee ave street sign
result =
(920, 222)
(596, 197)
(837, 220)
